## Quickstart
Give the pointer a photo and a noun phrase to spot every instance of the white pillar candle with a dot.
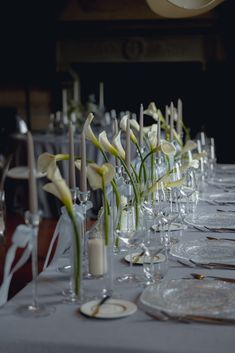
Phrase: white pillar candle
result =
(64, 101)
(83, 179)
(97, 257)
(101, 95)
(159, 130)
(172, 115)
(72, 177)
(141, 134)
(33, 198)
(128, 146)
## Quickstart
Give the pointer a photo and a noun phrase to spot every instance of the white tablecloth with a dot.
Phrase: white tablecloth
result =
(66, 330)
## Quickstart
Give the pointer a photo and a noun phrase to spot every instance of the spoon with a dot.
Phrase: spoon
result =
(214, 238)
(201, 276)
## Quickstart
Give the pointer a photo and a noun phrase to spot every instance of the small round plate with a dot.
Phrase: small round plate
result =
(140, 260)
(111, 309)
(22, 173)
(173, 227)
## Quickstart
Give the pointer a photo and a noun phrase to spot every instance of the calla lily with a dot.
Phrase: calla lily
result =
(60, 189)
(189, 146)
(96, 173)
(106, 145)
(168, 148)
(152, 137)
(88, 130)
(118, 145)
(152, 111)
(45, 159)
(78, 164)
(123, 125)
(134, 123)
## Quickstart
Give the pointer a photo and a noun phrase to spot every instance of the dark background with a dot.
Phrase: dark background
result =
(28, 34)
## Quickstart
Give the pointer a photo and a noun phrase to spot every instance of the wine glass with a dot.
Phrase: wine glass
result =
(153, 265)
(189, 192)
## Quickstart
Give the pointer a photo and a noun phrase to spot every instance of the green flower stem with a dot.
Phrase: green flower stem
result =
(134, 172)
(144, 168)
(77, 258)
(156, 149)
(135, 191)
(188, 137)
(106, 214)
(113, 183)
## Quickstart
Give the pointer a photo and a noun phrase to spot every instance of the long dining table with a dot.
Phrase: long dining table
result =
(67, 330)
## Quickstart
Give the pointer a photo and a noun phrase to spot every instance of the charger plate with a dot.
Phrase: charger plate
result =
(204, 251)
(189, 297)
(211, 220)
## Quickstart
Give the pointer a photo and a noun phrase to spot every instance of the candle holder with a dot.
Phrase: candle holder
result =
(83, 197)
(34, 309)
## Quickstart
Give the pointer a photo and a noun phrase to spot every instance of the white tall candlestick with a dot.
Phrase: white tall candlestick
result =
(159, 130)
(33, 197)
(64, 101)
(101, 96)
(141, 136)
(167, 115)
(128, 146)
(72, 177)
(76, 91)
(83, 179)
(179, 117)
(172, 115)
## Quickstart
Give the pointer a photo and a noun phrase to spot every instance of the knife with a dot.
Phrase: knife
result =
(99, 304)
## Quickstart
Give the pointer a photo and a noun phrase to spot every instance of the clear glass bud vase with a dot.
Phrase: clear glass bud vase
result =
(100, 245)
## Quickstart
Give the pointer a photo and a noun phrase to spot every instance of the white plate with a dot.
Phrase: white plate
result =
(219, 197)
(173, 227)
(212, 220)
(223, 181)
(204, 251)
(189, 297)
(111, 309)
(22, 173)
(157, 258)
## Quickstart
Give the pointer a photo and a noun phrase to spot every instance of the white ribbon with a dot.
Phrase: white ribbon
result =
(62, 232)
(22, 238)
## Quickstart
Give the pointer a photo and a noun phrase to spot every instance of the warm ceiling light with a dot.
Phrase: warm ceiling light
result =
(182, 8)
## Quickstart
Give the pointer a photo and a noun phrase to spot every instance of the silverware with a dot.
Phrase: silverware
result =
(225, 211)
(136, 258)
(99, 304)
(214, 238)
(216, 265)
(220, 230)
(200, 276)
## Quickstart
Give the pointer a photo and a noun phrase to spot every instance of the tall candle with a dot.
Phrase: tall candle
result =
(179, 117)
(83, 179)
(64, 101)
(159, 130)
(72, 177)
(172, 115)
(101, 95)
(33, 197)
(76, 91)
(141, 136)
(128, 146)
(167, 115)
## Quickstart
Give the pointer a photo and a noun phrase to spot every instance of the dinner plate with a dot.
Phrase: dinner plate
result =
(212, 220)
(219, 197)
(189, 297)
(143, 259)
(204, 251)
(223, 181)
(22, 173)
(111, 309)
(173, 227)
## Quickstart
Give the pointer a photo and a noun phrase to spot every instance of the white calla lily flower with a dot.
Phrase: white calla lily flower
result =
(118, 145)
(123, 125)
(168, 148)
(96, 173)
(134, 123)
(88, 130)
(152, 111)
(152, 137)
(106, 145)
(45, 159)
(189, 146)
